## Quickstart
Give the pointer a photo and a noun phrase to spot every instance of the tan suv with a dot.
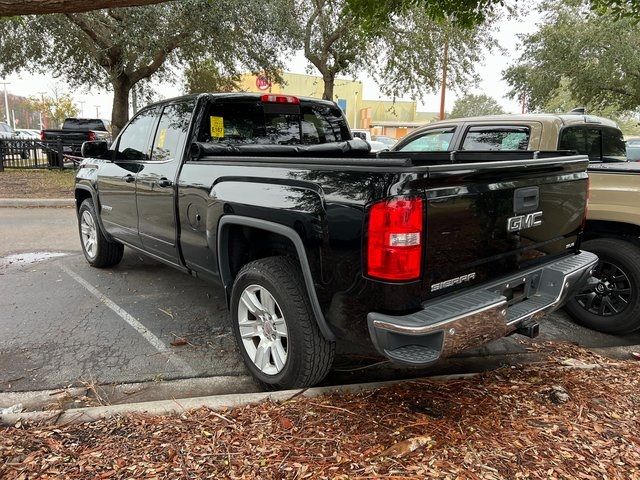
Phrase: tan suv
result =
(611, 301)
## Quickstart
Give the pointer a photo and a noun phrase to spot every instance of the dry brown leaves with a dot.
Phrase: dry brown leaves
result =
(501, 425)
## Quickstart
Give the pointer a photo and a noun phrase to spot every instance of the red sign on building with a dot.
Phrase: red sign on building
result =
(263, 83)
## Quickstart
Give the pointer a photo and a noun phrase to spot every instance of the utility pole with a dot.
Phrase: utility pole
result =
(41, 108)
(6, 102)
(97, 111)
(443, 87)
(82, 108)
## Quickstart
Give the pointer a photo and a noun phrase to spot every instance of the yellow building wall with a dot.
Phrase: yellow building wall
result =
(383, 110)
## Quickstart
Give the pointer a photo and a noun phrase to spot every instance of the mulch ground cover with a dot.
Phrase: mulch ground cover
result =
(23, 183)
(573, 416)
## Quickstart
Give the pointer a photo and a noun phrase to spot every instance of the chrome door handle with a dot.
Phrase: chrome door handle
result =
(129, 178)
(165, 182)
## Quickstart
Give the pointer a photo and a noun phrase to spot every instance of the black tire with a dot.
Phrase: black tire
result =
(309, 356)
(615, 284)
(106, 254)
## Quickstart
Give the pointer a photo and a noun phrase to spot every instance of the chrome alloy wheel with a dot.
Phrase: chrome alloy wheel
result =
(263, 329)
(607, 292)
(89, 234)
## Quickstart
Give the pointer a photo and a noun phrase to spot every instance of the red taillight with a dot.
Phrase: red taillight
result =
(394, 239)
(92, 136)
(268, 98)
(42, 135)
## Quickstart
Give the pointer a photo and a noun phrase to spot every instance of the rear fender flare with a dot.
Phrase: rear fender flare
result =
(225, 271)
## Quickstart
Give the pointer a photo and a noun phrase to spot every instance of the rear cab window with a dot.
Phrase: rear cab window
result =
(497, 138)
(84, 124)
(601, 144)
(259, 123)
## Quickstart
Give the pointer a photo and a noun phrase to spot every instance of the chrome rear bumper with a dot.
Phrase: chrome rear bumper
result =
(469, 319)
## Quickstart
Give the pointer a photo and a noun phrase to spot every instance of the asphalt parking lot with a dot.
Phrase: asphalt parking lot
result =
(64, 323)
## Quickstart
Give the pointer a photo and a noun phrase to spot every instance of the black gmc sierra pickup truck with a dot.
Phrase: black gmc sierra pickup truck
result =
(316, 240)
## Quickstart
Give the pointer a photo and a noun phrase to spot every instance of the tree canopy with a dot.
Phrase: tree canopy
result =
(119, 48)
(55, 107)
(471, 105)
(405, 58)
(593, 57)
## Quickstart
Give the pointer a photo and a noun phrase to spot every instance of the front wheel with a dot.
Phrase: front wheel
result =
(610, 302)
(275, 328)
(98, 251)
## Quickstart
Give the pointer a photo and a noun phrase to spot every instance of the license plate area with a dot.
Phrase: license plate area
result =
(519, 289)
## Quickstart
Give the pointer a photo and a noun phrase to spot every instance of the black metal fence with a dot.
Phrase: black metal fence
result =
(32, 153)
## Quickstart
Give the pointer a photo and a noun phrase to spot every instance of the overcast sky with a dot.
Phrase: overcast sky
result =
(490, 73)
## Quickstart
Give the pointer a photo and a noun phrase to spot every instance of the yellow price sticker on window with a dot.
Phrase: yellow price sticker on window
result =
(162, 137)
(217, 127)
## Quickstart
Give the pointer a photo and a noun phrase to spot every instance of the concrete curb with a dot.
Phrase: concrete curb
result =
(37, 202)
(133, 392)
(217, 402)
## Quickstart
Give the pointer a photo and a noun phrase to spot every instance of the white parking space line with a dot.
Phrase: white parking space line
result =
(139, 327)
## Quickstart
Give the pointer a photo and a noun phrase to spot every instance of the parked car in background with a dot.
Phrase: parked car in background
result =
(9, 144)
(633, 149)
(6, 131)
(365, 135)
(315, 240)
(28, 133)
(74, 132)
(388, 141)
(611, 300)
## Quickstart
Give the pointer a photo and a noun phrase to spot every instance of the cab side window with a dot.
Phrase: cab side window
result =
(437, 140)
(496, 138)
(172, 131)
(134, 140)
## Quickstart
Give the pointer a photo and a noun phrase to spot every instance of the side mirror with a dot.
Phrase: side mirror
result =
(94, 149)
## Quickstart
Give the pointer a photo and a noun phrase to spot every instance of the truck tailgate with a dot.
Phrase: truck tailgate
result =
(486, 220)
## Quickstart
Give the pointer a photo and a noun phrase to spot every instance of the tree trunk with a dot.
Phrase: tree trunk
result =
(10, 8)
(328, 79)
(120, 111)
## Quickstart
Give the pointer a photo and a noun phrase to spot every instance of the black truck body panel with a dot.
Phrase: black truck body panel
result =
(188, 212)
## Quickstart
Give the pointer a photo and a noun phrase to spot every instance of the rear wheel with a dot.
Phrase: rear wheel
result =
(275, 328)
(610, 302)
(98, 251)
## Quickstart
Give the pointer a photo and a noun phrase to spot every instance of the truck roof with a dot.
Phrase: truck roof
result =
(237, 96)
(560, 119)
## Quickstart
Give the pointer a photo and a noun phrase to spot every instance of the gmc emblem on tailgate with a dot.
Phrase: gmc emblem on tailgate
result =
(521, 222)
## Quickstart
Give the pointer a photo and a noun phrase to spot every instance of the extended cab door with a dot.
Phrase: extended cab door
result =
(117, 179)
(156, 182)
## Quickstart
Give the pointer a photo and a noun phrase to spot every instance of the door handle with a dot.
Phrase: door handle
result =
(129, 178)
(164, 182)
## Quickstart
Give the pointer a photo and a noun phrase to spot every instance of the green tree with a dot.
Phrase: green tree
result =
(406, 57)
(373, 15)
(55, 108)
(472, 105)
(119, 48)
(206, 76)
(593, 57)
